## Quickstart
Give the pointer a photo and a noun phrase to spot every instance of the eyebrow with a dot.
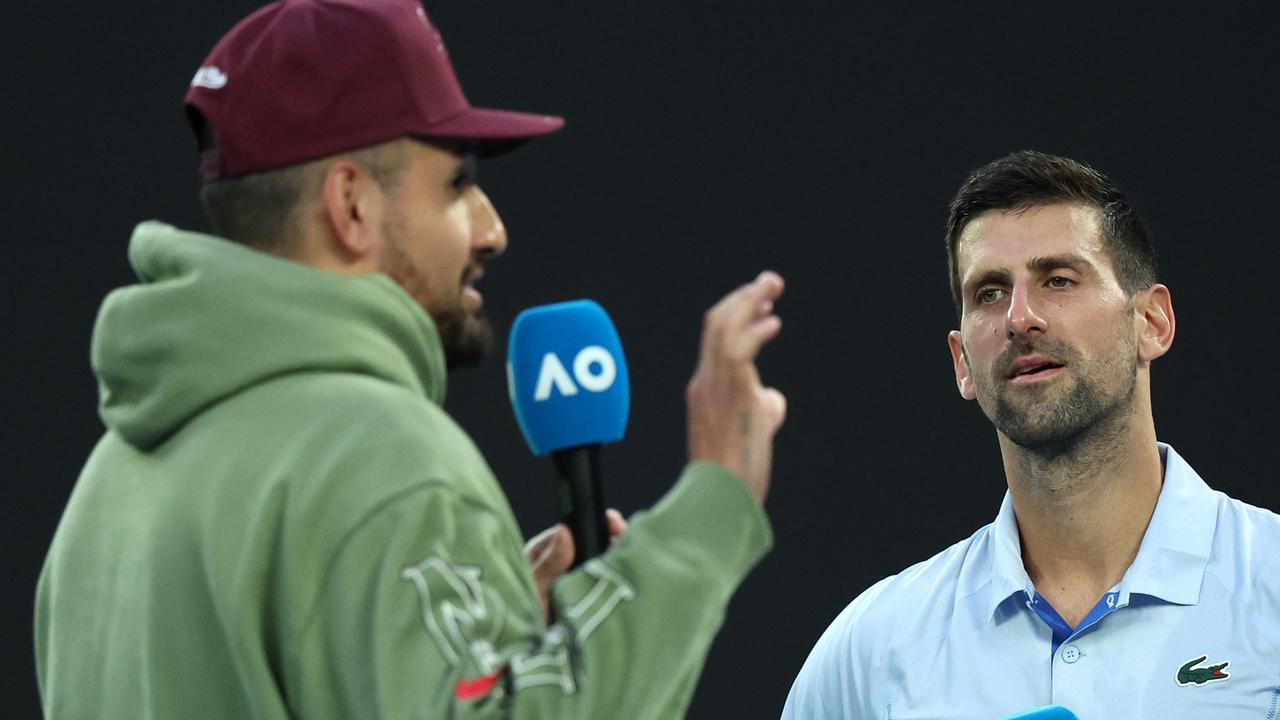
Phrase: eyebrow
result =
(1067, 260)
(1037, 264)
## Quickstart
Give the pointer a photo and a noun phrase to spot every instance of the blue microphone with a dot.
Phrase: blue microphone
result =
(1048, 712)
(568, 382)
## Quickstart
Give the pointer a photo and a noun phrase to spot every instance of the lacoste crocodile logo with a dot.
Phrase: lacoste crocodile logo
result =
(1188, 675)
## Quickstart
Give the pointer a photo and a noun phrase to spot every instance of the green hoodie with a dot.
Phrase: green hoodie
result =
(281, 521)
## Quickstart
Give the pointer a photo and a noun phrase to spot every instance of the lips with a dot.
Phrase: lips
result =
(470, 295)
(1030, 366)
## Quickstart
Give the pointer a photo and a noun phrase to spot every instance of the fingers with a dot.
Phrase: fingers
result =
(550, 554)
(731, 416)
(747, 343)
(746, 303)
(617, 524)
(750, 304)
(538, 544)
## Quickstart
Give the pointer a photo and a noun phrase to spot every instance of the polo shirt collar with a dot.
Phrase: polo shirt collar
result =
(1008, 576)
(1171, 559)
(1174, 552)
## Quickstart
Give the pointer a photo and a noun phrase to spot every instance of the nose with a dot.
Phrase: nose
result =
(1022, 318)
(488, 234)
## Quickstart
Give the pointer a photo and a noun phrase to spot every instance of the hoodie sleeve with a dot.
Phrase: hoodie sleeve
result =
(428, 611)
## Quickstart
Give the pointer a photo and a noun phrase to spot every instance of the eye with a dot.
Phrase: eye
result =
(465, 176)
(1059, 282)
(986, 296)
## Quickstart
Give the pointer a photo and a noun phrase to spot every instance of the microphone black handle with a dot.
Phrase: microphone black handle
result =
(581, 495)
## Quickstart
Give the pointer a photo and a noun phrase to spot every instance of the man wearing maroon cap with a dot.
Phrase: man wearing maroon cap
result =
(281, 520)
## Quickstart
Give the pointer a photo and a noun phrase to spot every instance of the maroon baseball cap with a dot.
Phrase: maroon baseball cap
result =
(303, 79)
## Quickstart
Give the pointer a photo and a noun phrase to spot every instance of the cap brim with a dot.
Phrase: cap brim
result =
(496, 131)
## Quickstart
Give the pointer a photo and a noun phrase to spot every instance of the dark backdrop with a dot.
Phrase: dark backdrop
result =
(707, 140)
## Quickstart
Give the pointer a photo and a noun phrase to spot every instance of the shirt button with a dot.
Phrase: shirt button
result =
(1070, 653)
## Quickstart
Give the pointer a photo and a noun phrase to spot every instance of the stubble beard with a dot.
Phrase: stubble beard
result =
(1055, 422)
(465, 336)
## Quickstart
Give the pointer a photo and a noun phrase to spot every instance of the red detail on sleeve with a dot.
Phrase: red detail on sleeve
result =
(470, 689)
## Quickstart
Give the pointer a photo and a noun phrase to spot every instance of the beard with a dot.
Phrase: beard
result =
(1056, 420)
(465, 337)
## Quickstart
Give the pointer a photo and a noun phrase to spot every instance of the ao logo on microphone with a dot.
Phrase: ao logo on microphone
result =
(593, 367)
(568, 376)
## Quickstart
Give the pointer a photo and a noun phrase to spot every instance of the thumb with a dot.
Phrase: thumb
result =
(774, 406)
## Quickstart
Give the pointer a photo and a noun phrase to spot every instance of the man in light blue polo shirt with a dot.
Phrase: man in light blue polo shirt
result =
(1113, 581)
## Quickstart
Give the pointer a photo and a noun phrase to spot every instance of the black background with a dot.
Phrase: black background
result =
(706, 141)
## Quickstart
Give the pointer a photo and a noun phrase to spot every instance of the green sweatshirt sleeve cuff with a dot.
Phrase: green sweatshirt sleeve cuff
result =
(711, 509)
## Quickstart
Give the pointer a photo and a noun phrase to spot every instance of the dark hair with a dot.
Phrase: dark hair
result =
(1026, 179)
(259, 209)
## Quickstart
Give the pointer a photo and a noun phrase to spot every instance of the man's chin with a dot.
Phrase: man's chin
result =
(466, 340)
(1049, 441)
(1046, 428)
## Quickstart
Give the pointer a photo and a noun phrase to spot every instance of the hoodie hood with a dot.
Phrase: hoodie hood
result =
(211, 318)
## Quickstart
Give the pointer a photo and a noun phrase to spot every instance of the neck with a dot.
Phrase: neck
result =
(1082, 510)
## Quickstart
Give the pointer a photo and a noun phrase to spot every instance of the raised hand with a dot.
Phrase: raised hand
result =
(732, 415)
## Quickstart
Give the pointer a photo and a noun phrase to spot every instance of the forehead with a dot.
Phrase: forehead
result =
(1010, 239)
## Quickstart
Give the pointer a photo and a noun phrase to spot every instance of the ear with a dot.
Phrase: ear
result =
(964, 381)
(354, 206)
(1153, 316)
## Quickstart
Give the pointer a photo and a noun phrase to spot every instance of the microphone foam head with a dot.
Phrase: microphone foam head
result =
(567, 376)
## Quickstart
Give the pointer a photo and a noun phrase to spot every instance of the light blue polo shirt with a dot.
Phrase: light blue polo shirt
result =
(964, 634)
